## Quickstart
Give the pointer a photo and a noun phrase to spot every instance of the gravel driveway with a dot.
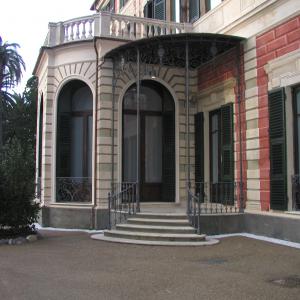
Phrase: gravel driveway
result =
(70, 265)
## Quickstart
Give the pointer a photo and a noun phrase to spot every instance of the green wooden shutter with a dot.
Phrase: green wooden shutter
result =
(194, 10)
(168, 186)
(173, 10)
(227, 155)
(199, 154)
(159, 9)
(277, 134)
(64, 145)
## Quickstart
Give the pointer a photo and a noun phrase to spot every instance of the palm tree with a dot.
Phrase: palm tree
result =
(11, 66)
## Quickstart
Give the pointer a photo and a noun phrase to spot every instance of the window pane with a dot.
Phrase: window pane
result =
(82, 100)
(129, 151)
(77, 147)
(150, 100)
(89, 146)
(153, 153)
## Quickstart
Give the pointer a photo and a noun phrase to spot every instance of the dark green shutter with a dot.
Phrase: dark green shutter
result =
(159, 9)
(64, 145)
(199, 154)
(173, 10)
(278, 182)
(227, 155)
(168, 186)
(194, 10)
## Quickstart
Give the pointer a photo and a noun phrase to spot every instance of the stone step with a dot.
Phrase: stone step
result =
(158, 222)
(205, 242)
(161, 216)
(167, 237)
(158, 229)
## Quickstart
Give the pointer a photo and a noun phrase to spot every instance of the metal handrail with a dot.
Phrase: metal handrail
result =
(122, 202)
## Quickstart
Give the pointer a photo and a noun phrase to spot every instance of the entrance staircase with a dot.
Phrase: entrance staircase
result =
(165, 229)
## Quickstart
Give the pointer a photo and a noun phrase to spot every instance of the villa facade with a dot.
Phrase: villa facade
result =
(166, 98)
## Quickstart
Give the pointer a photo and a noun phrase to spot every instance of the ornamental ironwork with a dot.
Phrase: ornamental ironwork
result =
(73, 189)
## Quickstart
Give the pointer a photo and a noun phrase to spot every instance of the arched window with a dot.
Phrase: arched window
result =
(74, 143)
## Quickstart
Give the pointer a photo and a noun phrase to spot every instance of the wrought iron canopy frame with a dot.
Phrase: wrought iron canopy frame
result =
(188, 51)
(203, 47)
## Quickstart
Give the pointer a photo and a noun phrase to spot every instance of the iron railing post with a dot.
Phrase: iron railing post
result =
(198, 221)
(138, 129)
(187, 129)
(109, 210)
(238, 82)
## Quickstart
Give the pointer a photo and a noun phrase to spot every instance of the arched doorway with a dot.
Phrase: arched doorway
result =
(157, 141)
(74, 143)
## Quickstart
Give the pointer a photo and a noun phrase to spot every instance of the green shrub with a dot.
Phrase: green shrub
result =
(18, 211)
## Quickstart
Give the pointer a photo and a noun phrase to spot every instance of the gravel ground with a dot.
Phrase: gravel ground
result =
(70, 265)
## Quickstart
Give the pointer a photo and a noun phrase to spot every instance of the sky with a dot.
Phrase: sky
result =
(26, 22)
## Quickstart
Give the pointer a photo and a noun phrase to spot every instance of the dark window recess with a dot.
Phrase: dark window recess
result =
(148, 10)
(277, 134)
(194, 10)
(199, 155)
(221, 155)
(64, 145)
(168, 175)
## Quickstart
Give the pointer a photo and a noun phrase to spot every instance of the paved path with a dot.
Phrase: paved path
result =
(73, 266)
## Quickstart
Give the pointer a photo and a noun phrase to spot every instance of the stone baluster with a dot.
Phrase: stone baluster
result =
(72, 31)
(66, 27)
(144, 27)
(90, 28)
(151, 30)
(77, 30)
(120, 22)
(113, 27)
(138, 30)
(83, 34)
(131, 28)
(156, 30)
(125, 29)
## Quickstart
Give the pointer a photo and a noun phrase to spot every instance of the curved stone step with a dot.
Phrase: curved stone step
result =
(102, 237)
(161, 216)
(154, 236)
(149, 228)
(158, 222)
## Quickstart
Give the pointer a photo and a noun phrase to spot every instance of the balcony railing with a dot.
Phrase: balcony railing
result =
(74, 189)
(205, 198)
(296, 192)
(106, 24)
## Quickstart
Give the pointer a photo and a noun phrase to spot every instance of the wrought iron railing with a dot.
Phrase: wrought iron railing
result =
(212, 198)
(122, 202)
(73, 189)
(296, 192)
